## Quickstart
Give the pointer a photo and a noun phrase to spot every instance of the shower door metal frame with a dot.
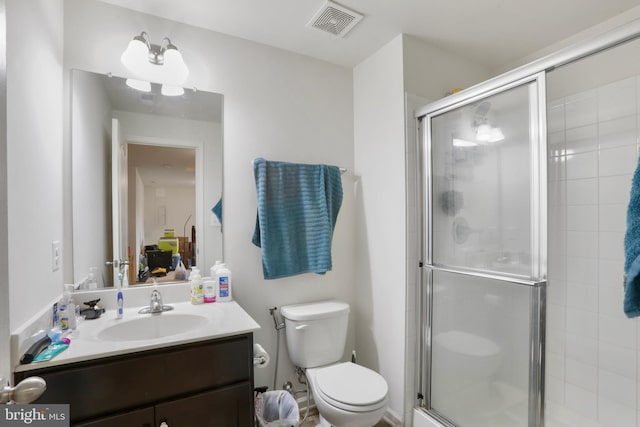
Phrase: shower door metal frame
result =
(538, 233)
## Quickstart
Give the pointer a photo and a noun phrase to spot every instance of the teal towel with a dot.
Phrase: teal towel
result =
(298, 206)
(217, 210)
(632, 251)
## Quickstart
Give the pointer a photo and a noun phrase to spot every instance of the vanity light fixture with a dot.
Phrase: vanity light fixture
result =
(170, 90)
(155, 63)
(141, 85)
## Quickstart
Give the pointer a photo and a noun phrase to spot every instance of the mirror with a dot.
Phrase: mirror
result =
(146, 176)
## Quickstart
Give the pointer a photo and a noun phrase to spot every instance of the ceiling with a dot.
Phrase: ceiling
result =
(164, 166)
(494, 33)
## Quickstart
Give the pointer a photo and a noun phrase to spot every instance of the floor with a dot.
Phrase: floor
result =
(312, 420)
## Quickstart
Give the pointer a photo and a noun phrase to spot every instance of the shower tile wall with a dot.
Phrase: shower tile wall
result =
(593, 358)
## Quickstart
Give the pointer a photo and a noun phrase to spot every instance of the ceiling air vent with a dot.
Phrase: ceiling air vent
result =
(335, 19)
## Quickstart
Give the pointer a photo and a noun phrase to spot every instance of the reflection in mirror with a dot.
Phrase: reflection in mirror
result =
(146, 174)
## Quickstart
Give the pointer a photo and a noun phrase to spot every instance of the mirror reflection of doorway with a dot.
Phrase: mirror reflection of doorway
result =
(162, 196)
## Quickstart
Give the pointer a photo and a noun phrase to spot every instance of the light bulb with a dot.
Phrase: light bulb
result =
(175, 70)
(171, 90)
(135, 57)
(140, 85)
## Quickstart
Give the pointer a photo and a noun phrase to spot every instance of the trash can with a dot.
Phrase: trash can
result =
(277, 408)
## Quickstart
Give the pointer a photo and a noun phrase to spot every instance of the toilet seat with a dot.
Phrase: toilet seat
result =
(351, 387)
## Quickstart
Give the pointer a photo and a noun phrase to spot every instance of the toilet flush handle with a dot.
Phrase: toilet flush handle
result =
(302, 327)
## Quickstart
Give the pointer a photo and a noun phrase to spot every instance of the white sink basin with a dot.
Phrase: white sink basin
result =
(152, 326)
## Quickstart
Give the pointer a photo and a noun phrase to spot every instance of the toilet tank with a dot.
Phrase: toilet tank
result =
(316, 332)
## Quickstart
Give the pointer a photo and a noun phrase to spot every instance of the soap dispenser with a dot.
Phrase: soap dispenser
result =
(196, 284)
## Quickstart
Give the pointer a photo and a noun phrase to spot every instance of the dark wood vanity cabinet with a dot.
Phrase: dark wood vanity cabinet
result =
(209, 383)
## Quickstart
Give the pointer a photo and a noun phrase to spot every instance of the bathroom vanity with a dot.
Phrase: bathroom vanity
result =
(202, 377)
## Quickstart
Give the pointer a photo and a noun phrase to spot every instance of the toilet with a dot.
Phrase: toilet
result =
(346, 394)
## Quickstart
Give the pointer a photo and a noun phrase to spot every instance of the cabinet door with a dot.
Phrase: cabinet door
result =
(230, 406)
(138, 418)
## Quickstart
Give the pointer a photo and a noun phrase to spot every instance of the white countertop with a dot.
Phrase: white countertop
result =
(220, 319)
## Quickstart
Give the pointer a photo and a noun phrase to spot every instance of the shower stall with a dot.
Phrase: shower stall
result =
(523, 192)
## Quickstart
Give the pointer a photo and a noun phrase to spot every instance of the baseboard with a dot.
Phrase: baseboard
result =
(392, 418)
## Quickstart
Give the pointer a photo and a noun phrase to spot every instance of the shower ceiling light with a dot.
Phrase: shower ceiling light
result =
(157, 63)
(484, 133)
(487, 133)
(496, 135)
(481, 124)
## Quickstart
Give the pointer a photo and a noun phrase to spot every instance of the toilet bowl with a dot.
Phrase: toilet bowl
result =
(348, 395)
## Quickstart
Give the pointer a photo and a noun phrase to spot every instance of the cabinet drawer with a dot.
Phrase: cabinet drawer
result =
(104, 386)
(139, 418)
(225, 407)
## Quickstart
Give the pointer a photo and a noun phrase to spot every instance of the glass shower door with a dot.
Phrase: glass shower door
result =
(485, 257)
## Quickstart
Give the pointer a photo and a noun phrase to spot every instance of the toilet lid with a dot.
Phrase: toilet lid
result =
(352, 384)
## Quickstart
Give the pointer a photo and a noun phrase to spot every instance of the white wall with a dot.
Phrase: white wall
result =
(386, 325)
(34, 152)
(5, 355)
(378, 92)
(278, 105)
(91, 165)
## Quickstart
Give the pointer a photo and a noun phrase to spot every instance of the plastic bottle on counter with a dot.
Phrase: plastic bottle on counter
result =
(196, 285)
(209, 290)
(223, 278)
(67, 309)
(214, 269)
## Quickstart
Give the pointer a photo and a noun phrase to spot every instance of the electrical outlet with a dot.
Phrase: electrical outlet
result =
(56, 255)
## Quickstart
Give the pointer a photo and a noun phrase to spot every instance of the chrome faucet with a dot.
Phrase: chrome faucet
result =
(155, 304)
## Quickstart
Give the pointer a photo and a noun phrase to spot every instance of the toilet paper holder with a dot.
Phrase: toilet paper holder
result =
(260, 356)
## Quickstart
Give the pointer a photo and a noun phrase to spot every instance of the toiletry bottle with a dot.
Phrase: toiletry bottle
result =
(71, 307)
(214, 268)
(196, 284)
(223, 275)
(92, 283)
(209, 288)
(67, 309)
(120, 297)
(63, 322)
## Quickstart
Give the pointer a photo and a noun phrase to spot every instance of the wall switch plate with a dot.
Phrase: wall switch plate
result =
(56, 255)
